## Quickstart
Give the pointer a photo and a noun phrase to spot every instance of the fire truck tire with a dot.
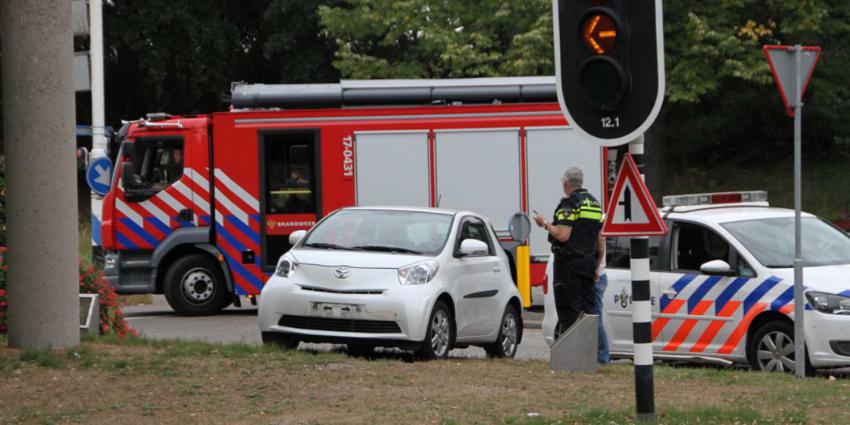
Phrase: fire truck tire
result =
(508, 340)
(195, 286)
(768, 348)
(439, 336)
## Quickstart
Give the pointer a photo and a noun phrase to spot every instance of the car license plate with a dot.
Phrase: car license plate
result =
(337, 310)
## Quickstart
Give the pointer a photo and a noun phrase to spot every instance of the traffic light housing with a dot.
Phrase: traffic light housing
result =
(609, 58)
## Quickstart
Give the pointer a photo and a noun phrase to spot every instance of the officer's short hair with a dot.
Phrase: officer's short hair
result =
(574, 176)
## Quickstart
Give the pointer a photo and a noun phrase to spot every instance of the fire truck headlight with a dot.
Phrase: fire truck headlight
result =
(829, 303)
(419, 273)
(285, 266)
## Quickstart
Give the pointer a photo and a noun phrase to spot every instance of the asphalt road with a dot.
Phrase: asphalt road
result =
(234, 324)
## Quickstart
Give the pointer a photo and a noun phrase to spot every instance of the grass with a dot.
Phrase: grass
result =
(140, 381)
(823, 184)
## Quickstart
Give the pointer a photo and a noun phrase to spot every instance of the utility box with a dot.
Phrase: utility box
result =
(89, 313)
(575, 350)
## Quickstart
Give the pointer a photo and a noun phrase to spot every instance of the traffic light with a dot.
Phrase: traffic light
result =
(609, 57)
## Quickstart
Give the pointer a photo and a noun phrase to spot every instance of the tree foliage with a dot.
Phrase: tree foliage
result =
(440, 39)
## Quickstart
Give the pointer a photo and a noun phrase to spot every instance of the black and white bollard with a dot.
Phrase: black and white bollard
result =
(642, 312)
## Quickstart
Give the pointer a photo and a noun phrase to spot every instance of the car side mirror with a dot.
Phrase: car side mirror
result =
(296, 236)
(473, 248)
(717, 268)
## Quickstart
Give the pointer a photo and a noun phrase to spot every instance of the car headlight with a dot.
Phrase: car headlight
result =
(285, 266)
(829, 303)
(419, 273)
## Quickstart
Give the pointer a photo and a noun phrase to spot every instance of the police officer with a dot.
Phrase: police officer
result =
(574, 235)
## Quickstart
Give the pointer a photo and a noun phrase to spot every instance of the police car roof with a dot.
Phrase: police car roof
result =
(727, 213)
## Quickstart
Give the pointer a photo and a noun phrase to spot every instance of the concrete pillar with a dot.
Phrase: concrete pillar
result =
(41, 212)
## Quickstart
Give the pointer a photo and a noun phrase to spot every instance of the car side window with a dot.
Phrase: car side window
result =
(472, 228)
(157, 163)
(696, 245)
(618, 250)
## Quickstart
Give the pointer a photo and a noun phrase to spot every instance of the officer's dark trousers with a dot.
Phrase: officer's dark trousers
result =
(574, 289)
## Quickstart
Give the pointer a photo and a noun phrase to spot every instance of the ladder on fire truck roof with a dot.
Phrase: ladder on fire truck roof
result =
(394, 92)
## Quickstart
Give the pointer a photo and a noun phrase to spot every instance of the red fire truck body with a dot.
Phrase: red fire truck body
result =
(202, 206)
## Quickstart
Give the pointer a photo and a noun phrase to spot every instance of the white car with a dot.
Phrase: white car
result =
(427, 280)
(722, 286)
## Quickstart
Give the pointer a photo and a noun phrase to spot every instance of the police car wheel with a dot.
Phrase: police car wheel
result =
(771, 349)
(510, 332)
(439, 334)
(284, 341)
(194, 285)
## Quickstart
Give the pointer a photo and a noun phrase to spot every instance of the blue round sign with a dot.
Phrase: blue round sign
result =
(99, 175)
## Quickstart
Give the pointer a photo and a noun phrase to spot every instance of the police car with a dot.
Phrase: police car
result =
(722, 285)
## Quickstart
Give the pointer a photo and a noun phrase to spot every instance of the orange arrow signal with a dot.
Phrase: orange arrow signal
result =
(600, 33)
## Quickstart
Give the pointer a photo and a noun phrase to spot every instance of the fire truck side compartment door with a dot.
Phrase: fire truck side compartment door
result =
(392, 168)
(479, 170)
(550, 152)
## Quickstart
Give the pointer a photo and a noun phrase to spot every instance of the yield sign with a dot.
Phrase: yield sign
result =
(783, 64)
(631, 210)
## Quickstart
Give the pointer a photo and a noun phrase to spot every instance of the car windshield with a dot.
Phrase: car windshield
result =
(391, 231)
(771, 241)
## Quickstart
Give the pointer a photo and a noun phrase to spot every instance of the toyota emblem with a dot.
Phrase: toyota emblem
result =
(342, 272)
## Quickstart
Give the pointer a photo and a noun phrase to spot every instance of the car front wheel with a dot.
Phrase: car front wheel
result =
(509, 335)
(439, 335)
(772, 349)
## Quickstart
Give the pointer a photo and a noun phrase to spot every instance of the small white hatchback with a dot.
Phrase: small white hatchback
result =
(427, 280)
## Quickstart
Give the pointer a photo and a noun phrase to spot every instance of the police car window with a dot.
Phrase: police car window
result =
(618, 250)
(157, 163)
(696, 245)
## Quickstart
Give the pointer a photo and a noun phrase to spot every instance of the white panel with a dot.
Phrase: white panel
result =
(82, 82)
(392, 169)
(550, 151)
(479, 171)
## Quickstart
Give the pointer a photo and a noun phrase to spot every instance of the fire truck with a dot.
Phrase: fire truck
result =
(202, 206)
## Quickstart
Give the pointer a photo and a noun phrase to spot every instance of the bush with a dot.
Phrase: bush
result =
(91, 282)
(111, 317)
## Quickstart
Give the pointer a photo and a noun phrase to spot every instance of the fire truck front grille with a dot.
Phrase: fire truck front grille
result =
(340, 325)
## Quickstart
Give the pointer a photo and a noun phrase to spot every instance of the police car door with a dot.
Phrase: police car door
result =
(617, 300)
(697, 308)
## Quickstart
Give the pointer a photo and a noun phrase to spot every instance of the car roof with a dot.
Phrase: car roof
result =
(727, 214)
(411, 209)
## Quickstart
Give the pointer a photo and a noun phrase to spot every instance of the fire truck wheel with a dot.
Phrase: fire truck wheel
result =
(506, 343)
(194, 286)
(771, 349)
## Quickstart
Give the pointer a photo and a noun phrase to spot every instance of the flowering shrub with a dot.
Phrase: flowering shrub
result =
(91, 282)
(111, 317)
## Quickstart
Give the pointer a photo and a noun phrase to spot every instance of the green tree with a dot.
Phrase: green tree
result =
(440, 39)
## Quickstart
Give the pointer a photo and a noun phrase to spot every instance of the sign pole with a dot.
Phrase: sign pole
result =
(799, 302)
(642, 310)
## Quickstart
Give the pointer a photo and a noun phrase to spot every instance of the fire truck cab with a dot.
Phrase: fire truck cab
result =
(202, 207)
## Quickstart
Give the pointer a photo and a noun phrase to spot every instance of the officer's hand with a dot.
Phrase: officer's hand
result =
(539, 219)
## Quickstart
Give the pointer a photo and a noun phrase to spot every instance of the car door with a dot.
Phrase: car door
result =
(697, 310)
(477, 283)
(617, 300)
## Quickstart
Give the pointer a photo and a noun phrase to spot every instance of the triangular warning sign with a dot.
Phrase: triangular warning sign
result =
(631, 210)
(783, 65)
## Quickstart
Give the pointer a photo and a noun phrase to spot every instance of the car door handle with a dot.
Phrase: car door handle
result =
(496, 269)
(670, 293)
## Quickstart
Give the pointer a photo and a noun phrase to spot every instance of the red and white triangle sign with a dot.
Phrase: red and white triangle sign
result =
(631, 210)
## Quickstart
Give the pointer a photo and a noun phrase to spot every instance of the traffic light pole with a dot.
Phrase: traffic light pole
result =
(38, 133)
(642, 311)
